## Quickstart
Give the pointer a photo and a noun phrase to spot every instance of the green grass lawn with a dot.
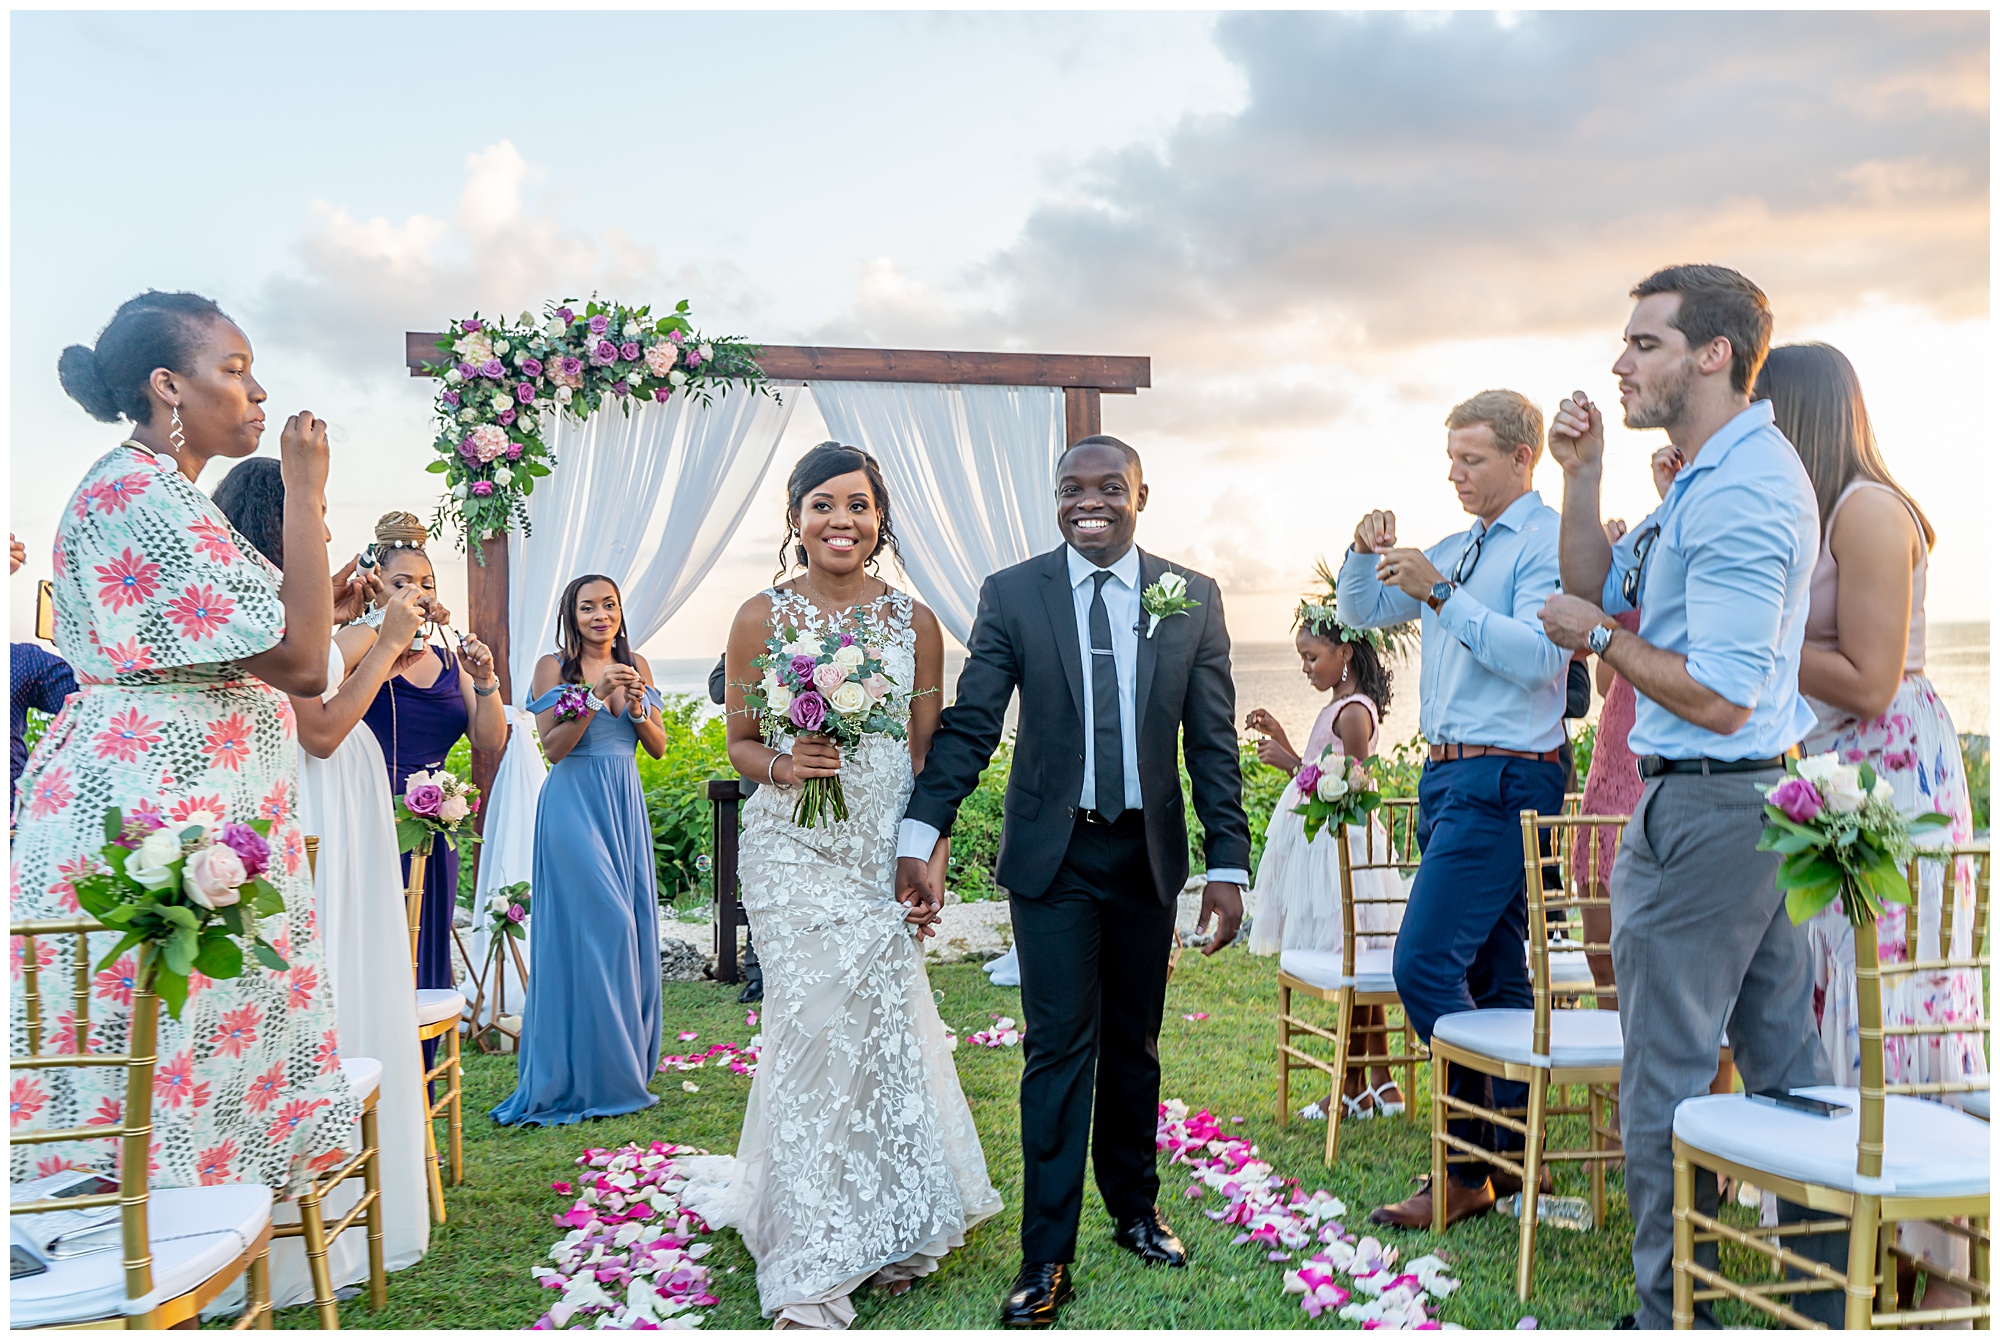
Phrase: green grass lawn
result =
(477, 1272)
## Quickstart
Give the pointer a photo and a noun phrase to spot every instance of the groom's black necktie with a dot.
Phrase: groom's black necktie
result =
(1106, 741)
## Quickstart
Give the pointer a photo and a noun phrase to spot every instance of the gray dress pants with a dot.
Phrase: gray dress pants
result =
(1703, 947)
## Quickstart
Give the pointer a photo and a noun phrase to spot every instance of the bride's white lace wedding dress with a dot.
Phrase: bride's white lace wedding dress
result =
(858, 1156)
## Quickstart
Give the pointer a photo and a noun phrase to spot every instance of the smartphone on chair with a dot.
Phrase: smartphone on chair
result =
(1798, 1102)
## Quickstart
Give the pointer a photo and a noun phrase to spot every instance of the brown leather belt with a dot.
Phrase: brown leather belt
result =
(1445, 753)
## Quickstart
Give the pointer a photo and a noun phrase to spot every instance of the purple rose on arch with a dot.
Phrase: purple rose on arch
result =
(467, 371)
(483, 489)
(525, 393)
(469, 326)
(513, 451)
(565, 315)
(692, 358)
(808, 711)
(572, 367)
(629, 351)
(492, 367)
(249, 846)
(516, 913)
(662, 394)
(531, 367)
(468, 450)
(507, 417)
(620, 388)
(450, 398)
(599, 324)
(604, 352)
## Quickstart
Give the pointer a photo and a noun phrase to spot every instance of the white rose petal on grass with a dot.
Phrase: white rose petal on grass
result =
(689, 1086)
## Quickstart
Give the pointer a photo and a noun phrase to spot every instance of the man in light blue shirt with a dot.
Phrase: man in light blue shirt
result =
(1492, 695)
(1701, 942)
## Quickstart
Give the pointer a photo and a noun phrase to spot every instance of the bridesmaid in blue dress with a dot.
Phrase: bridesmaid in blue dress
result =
(430, 699)
(590, 1035)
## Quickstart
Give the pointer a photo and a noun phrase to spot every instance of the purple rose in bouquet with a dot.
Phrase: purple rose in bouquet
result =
(565, 315)
(137, 825)
(1798, 798)
(531, 367)
(1308, 779)
(525, 393)
(426, 798)
(808, 711)
(492, 368)
(469, 325)
(249, 846)
(482, 488)
(802, 669)
(599, 324)
(516, 913)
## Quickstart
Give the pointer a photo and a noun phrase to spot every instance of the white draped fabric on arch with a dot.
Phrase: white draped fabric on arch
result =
(649, 498)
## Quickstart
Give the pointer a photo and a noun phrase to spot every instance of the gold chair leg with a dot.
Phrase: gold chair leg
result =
(1982, 1259)
(1284, 1057)
(457, 1109)
(257, 1293)
(371, 1181)
(1531, 1182)
(435, 1178)
(1343, 1027)
(1440, 1078)
(1861, 1238)
(312, 1222)
(1598, 1148)
(1683, 1244)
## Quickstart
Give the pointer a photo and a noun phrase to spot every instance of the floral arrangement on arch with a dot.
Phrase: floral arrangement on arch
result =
(497, 379)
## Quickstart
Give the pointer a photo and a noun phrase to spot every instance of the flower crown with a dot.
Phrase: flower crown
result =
(1319, 614)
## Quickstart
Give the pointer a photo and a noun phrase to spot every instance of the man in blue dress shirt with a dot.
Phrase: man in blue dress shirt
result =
(1700, 939)
(1492, 694)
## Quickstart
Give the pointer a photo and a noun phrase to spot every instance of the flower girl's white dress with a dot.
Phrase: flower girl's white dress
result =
(1296, 901)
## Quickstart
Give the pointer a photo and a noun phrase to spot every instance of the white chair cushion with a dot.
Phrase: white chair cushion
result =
(1577, 1038)
(437, 1005)
(1570, 967)
(1928, 1149)
(1374, 969)
(1979, 1104)
(196, 1232)
(363, 1074)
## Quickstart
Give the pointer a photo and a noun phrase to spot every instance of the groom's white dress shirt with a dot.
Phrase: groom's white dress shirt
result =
(1121, 603)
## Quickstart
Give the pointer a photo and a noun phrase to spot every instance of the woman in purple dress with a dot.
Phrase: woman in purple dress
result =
(432, 698)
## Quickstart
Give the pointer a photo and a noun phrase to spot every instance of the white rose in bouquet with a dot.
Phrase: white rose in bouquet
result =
(497, 904)
(148, 865)
(1842, 790)
(849, 698)
(779, 699)
(1882, 792)
(202, 819)
(1332, 784)
(1819, 769)
(848, 658)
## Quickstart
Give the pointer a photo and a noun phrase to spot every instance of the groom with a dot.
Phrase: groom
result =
(1093, 849)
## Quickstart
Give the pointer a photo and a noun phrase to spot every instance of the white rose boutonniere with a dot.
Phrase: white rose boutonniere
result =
(1164, 599)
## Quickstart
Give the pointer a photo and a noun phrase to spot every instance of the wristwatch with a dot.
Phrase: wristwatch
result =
(1440, 592)
(1599, 638)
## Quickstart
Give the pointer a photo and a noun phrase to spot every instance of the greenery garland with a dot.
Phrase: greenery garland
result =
(1320, 613)
(497, 381)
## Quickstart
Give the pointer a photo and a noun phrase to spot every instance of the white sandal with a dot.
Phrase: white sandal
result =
(1383, 1106)
(1355, 1111)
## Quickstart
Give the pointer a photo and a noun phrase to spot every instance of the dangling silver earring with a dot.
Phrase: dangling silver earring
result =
(176, 435)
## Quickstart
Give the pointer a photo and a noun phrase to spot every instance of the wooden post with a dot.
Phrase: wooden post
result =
(486, 592)
(725, 795)
(1083, 414)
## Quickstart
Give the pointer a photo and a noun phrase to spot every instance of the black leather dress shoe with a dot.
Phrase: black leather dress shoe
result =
(1039, 1292)
(1149, 1237)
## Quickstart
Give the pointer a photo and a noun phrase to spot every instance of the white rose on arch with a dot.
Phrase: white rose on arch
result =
(503, 476)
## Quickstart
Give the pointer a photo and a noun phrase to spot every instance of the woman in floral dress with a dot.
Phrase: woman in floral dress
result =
(184, 646)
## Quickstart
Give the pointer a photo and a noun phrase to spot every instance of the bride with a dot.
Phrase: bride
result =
(858, 1161)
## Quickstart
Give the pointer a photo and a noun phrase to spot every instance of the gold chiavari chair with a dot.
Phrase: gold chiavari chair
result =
(1546, 1048)
(1892, 1157)
(1349, 980)
(181, 1248)
(440, 1011)
(363, 1076)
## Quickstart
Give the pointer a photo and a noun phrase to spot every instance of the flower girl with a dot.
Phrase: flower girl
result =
(1296, 900)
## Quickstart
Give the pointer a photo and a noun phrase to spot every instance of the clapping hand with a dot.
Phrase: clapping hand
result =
(1375, 532)
(1568, 620)
(1576, 435)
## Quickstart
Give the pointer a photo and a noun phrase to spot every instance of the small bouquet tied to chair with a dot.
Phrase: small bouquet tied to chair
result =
(1838, 833)
(1335, 789)
(192, 896)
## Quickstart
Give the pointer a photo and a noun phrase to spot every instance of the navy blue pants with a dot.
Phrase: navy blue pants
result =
(1461, 944)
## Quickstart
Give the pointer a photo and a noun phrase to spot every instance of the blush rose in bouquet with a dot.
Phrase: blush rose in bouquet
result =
(1334, 789)
(827, 685)
(194, 895)
(435, 804)
(1838, 834)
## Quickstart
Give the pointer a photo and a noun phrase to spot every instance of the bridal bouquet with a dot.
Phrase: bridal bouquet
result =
(435, 804)
(1837, 829)
(1334, 789)
(194, 893)
(830, 686)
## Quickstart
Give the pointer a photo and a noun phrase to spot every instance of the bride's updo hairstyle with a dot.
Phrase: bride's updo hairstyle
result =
(569, 632)
(153, 330)
(831, 460)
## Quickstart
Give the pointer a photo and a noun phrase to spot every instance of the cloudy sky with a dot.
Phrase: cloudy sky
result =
(1324, 229)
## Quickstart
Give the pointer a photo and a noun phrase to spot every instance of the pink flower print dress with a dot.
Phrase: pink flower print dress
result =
(1295, 903)
(157, 601)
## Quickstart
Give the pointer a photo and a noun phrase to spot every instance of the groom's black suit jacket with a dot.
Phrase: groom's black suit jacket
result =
(1025, 637)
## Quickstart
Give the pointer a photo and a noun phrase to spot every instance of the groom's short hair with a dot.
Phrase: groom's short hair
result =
(1103, 440)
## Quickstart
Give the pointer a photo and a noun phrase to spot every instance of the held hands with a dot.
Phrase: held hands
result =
(1408, 570)
(1576, 436)
(1225, 903)
(1375, 532)
(919, 889)
(615, 687)
(1568, 620)
(302, 454)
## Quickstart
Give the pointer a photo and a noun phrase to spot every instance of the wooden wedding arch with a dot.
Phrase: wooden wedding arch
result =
(1084, 379)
